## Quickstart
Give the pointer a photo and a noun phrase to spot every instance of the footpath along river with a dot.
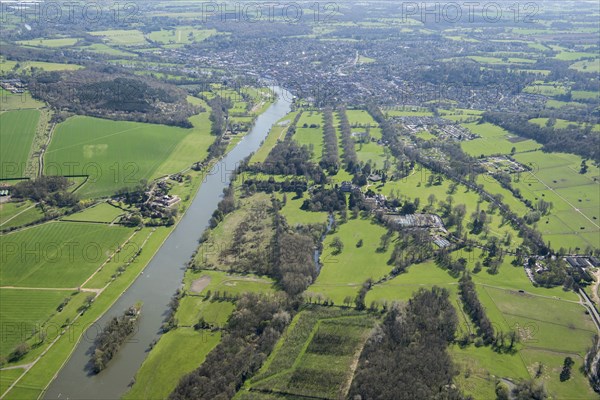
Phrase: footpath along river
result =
(160, 279)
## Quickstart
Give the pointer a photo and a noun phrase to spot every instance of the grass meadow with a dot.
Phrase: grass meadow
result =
(177, 353)
(18, 131)
(117, 154)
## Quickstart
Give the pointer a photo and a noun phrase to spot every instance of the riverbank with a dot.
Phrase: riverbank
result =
(160, 278)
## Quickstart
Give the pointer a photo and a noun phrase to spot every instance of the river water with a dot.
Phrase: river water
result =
(160, 279)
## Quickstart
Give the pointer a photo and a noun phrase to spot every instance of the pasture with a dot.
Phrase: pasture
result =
(294, 215)
(543, 317)
(26, 66)
(23, 312)
(343, 274)
(494, 140)
(590, 66)
(574, 217)
(122, 37)
(562, 123)
(309, 132)
(181, 35)
(177, 353)
(193, 307)
(102, 212)
(18, 131)
(57, 254)
(16, 214)
(10, 101)
(115, 154)
(102, 48)
(42, 42)
(231, 283)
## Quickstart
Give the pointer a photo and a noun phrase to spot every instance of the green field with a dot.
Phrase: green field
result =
(494, 140)
(117, 154)
(562, 123)
(7, 377)
(102, 212)
(18, 214)
(43, 371)
(181, 35)
(550, 90)
(573, 220)
(193, 307)
(591, 67)
(193, 147)
(312, 137)
(102, 48)
(58, 254)
(544, 317)
(23, 311)
(41, 42)
(9, 101)
(177, 353)
(122, 37)
(501, 61)
(7, 65)
(18, 131)
(574, 55)
(343, 274)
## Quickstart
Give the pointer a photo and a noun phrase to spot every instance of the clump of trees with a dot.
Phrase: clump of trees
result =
(391, 363)
(323, 199)
(565, 374)
(529, 390)
(114, 94)
(114, 334)
(51, 190)
(289, 158)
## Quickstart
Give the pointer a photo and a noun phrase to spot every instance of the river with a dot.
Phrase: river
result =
(160, 279)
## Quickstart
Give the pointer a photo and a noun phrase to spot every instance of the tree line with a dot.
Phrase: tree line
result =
(330, 160)
(349, 155)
